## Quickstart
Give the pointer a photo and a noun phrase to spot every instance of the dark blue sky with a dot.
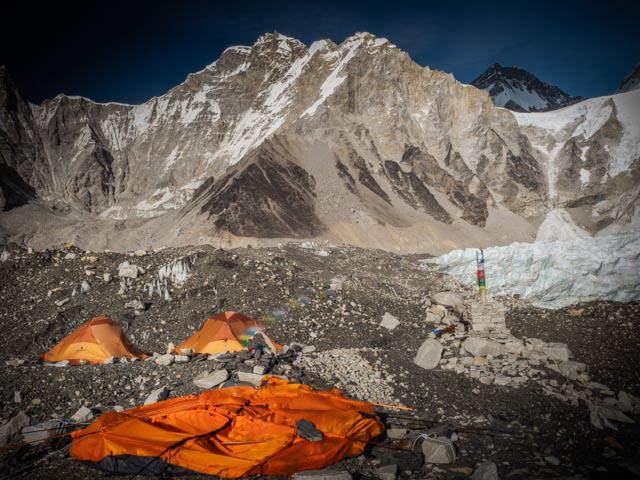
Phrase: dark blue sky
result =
(131, 51)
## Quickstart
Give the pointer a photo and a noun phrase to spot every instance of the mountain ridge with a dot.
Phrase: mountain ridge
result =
(368, 146)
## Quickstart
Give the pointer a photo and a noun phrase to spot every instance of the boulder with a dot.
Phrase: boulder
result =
(481, 347)
(37, 434)
(157, 395)
(211, 379)
(389, 321)
(127, 270)
(429, 354)
(164, 360)
(448, 299)
(12, 428)
(82, 415)
(388, 472)
(249, 377)
(628, 403)
(485, 471)
(556, 351)
(181, 358)
(571, 369)
(438, 450)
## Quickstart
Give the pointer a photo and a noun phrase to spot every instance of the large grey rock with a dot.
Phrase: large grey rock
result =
(83, 414)
(481, 347)
(164, 360)
(211, 379)
(127, 270)
(157, 395)
(249, 377)
(556, 351)
(448, 299)
(628, 403)
(571, 369)
(485, 471)
(12, 428)
(429, 354)
(41, 432)
(389, 321)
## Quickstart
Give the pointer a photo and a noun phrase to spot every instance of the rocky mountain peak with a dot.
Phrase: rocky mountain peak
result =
(519, 90)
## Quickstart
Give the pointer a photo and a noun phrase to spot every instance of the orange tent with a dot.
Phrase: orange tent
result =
(231, 432)
(94, 341)
(223, 332)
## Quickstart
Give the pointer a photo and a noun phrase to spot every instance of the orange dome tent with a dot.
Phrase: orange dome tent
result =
(232, 432)
(224, 332)
(94, 341)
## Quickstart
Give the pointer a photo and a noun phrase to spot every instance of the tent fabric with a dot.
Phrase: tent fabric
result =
(94, 341)
(222, 333)
(231, 432)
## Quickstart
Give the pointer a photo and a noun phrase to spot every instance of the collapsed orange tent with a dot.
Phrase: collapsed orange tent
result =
(231, 432)
(94, 341)
(223, 332)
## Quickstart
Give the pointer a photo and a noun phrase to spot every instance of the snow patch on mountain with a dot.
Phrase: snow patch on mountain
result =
(559, 226)
(586, 118)
(556, 274)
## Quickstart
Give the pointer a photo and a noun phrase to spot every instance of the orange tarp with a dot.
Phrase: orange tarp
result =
(221, 333)
(94, 341)
(233, 432)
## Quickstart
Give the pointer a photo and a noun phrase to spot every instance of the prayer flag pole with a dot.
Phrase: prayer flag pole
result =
(482, 286)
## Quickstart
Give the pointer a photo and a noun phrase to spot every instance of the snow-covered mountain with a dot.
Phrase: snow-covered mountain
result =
(351, 142)
(631, 81)
(520, 91)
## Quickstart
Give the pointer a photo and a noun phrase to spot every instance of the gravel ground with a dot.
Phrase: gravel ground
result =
(290, 288)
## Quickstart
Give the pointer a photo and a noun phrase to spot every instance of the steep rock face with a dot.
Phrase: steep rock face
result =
(520, 91)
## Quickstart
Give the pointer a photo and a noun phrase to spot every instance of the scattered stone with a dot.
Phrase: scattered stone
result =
(571, 369)
(404, 459)
(61, 302)
(259, 369)
(556, 351)
(389, 321)
(448, 299)
(14, 362)
(17, 397)
(552, 460)
(308, 349)
(106, 277)
(249, 377)
(485, 471)
(438, 450)
(164, 360)
(181, 358)
(70, 256)
(85, 287)
(628, 403)
(388, 472)
(208, 380)
(477, 346)
(157, 395)
(127, 270)
(82, 415)
(429, 354)
(396, 433)
(135, 305)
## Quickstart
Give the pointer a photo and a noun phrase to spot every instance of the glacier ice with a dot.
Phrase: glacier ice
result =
(555, 274)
